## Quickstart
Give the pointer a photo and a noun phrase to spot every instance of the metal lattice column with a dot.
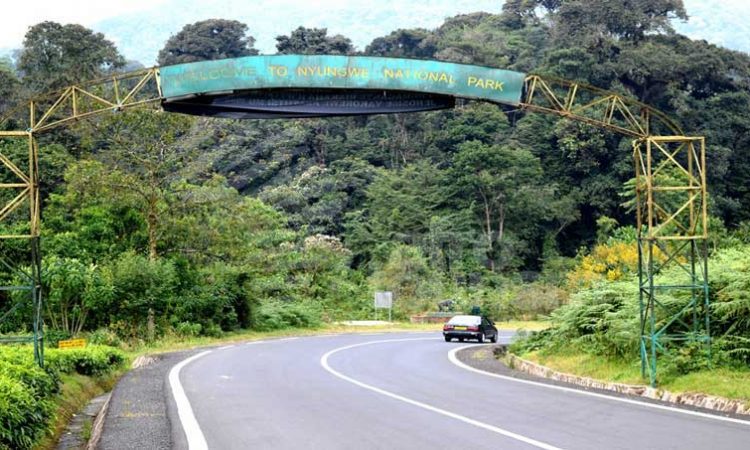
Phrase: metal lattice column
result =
(672, 245)
(20, 254)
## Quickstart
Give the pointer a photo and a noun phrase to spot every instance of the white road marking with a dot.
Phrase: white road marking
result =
(476, 423)
(452, 357)
(226, 347)
(284, 339)
(195, 438)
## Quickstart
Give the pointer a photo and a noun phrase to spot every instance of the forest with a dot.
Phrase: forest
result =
(161, 224)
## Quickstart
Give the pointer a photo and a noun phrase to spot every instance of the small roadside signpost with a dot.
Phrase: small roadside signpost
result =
(384, 300)
(72, 343)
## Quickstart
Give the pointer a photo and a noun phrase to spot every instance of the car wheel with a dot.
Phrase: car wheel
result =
(494, 339)
(460, 339)
(481, 338)
(447, 339)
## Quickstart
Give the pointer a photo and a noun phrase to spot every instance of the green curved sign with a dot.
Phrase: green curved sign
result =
(341, 72)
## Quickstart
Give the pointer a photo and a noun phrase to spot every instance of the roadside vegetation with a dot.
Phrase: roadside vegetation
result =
(597, 335)
(30, 395)
(163, 230)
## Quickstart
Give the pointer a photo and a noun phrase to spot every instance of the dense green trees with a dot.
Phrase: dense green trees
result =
(207, 39)
(313, 41)
(55, 55)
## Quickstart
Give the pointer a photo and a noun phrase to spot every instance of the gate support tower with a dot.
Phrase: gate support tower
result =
(672, 218)
(21, 256)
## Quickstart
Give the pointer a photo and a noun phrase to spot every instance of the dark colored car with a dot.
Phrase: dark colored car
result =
(470, 327)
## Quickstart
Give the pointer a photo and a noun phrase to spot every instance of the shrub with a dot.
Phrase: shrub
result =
(22, 417)
(41, 383)
(92, 360)
(187, 329)
(104, 336)
(278, 315)
(537, 299)
(25, 390)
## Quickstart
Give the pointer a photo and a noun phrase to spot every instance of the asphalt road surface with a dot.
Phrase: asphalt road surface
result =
(397, 391)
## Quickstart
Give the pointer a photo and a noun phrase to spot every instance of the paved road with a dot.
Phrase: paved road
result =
(403, 392)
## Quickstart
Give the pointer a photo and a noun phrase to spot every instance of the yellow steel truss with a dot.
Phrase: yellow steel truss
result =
(596, 107)
(104, 95)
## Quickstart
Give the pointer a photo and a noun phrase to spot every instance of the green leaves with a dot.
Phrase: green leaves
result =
(55, 56)
(207, 39)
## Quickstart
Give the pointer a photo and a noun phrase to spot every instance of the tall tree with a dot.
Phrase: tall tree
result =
(313, 41)
(55, 55)
(620, 19)
(208, 39)
(503, 183)
(146, 160)
(9, 85)
(402, 43)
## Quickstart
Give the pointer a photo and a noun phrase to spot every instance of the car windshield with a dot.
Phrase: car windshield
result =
(465, 320)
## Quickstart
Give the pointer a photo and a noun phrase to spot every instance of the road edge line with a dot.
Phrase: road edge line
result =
(193, 433)
(470, 421)
(454, 359)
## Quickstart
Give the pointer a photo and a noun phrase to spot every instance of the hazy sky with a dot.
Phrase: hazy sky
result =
(724, 22)
(16, 19)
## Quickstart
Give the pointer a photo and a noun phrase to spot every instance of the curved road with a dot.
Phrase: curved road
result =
(401, 391)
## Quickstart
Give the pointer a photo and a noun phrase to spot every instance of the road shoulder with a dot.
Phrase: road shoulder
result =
(139, 410)
(484, 358)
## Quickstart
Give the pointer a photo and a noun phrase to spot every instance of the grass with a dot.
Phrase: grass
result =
(586, 365)
(722, 381)
(173, 342)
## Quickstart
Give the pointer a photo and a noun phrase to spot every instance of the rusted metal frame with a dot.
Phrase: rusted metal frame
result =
(610, 111)
(116, 88)
(34, 200)
(623, 131)
(579, 109)
(672, 218)
(704, 195)
(671, 255)
(13, 168)
(92, 113)
(73, 95)
(638, 163)
(14, 204)
(647, 112)
(571, 97)
(691, 170)
(547, 92)
(628, 115)
(106, 102)
(663, 216)
(63, 97)
(649, 189)
(671, 158)
(13, 133)
(142, 82)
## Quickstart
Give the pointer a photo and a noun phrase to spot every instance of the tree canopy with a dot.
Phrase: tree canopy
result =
(313, 41)
(55, 55)
(208, 39)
